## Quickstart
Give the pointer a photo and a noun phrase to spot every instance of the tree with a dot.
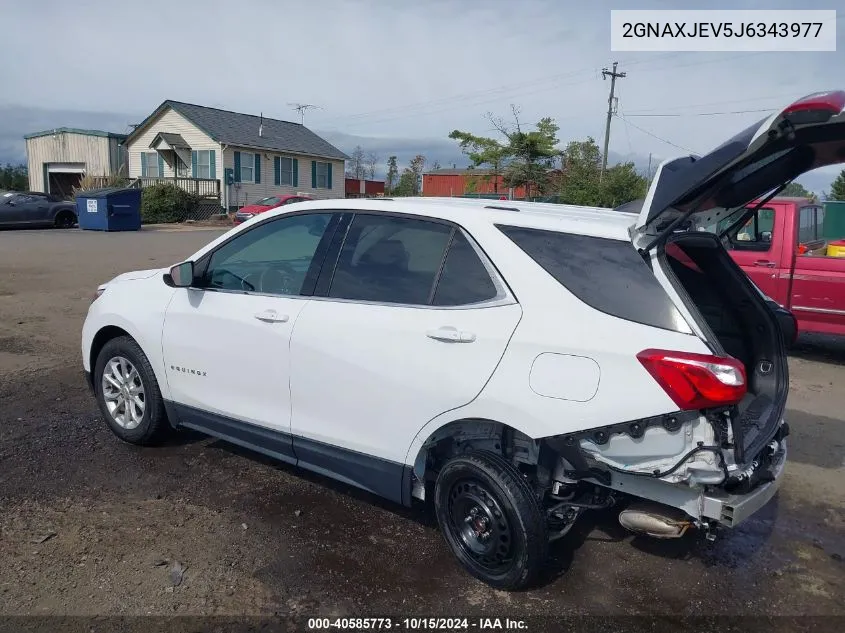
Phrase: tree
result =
(484, 152)
(357, 164)
(837, 189)
(797, 190)
(411, 178)
(581, 166)
(434, 166)
(370, 166)
(14, 178)
(581, 183)
(391, 179)
(531, 154)
(621, 184)
(406, 185)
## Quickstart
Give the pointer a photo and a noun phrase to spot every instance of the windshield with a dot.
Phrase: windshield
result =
(272, 201)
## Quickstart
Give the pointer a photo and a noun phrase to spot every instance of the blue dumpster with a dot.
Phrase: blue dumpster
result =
(112, 209)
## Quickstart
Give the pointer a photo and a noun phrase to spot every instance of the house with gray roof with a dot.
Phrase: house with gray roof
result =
(243, 157)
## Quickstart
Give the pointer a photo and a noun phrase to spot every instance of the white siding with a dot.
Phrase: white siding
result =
(67, 147)
(248, 193)
(171, 121)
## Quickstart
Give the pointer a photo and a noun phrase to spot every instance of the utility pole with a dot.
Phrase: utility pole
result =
(301, 108)
(613, 75)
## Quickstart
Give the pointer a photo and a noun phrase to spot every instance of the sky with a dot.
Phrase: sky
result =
(393, 76)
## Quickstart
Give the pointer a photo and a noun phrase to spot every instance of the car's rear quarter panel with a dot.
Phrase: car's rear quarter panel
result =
(597, 354)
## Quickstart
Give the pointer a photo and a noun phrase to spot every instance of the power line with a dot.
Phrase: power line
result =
(479, 97)
(700, 113)
(709, 103)
(659, 138)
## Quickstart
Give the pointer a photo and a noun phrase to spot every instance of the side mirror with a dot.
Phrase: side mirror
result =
(180, 275)
(766, 236)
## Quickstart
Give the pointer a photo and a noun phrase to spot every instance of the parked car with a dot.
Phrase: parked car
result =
(265, 204)
(33, 209)
(779, 244)
(517, 365)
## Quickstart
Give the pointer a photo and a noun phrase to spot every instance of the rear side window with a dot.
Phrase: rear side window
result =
(390, 260)
(409, 261)
(464, 278)
(608, 275)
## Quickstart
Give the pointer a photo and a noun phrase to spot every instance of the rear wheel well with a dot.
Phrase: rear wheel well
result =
(471, 435)
(101, 338)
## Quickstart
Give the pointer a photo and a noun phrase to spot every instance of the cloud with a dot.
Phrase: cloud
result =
(388, 72)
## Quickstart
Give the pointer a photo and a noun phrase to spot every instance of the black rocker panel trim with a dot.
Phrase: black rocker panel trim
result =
(381, 477)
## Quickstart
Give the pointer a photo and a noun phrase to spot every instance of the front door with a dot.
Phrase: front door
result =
(411, 323)
(226, 340)
(757, 247)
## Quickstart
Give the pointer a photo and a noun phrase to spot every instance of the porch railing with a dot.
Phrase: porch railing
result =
(202, 187)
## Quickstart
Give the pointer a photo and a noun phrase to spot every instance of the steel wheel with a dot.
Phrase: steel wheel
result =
(491, 519)
(480, 525)
(123, 392)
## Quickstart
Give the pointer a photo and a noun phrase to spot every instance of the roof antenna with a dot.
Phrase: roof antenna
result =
(261, 126)
(301, 108)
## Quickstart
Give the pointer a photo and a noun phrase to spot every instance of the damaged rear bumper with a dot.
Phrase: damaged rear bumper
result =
(730, 510)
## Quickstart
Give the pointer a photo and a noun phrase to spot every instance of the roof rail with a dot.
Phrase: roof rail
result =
(500, 208)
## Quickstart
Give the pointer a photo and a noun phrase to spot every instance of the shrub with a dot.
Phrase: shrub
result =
(167, 203)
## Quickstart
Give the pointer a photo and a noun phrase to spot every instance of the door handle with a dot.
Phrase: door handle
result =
(765, 262)
(449, 334)
(271, 316)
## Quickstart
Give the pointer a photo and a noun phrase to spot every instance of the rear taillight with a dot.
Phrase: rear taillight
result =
(696, 381)
(815, 108)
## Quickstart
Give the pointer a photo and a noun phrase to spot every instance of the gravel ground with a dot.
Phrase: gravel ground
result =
(92, 526)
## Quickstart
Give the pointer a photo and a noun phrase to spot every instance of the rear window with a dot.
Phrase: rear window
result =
(608, 275)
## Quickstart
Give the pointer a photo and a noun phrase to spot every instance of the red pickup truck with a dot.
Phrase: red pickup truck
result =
(781, 248)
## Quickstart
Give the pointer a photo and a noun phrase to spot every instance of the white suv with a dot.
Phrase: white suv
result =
(518, 363)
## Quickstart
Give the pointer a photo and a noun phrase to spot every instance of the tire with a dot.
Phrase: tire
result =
(65, 219)
(142, 425)
(491, 520)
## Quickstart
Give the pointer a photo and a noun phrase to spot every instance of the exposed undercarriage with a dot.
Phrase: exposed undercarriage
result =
(678, 458)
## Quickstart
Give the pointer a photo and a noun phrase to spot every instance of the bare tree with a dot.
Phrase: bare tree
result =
(357, 164)
(370, 166)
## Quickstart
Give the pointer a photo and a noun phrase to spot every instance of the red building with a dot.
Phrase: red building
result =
(458, 182)
(364, 188)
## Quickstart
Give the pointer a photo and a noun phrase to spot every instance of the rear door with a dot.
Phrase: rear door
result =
(410, 323)
(818, 283)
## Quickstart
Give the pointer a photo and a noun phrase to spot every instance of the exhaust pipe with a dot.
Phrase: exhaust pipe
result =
(654, 520)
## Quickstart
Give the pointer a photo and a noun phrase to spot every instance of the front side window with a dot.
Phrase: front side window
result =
(390, 260)
(247, 167)
(151, 164)
(203, 163)
(756, 234)
(273, 258)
